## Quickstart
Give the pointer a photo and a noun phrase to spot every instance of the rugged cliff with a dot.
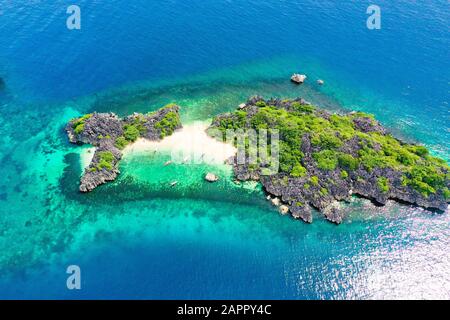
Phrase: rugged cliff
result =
(325, 158)
(110, 134)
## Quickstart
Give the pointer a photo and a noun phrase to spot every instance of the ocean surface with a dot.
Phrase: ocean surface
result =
(137, 238)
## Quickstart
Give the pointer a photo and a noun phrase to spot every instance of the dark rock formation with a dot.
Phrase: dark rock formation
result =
(362, 158)
(110, 134)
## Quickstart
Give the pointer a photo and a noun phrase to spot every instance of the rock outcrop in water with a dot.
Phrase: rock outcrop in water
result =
(298, 78)
(326, 158)
(110, 134)
(211, 177)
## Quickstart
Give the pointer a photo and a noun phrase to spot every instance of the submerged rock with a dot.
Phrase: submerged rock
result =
(320, 82)
(110, 134)
(2, 84)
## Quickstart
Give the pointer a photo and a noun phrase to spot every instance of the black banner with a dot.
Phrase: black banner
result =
(216, 309)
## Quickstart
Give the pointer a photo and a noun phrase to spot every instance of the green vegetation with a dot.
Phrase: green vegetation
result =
(168, 124)
(105, 161)
(446, 193)
(131, 131)
(347, 161)
(383, 184)
(314, 180)
(79, 128)
(332, 137)
(121, 142)
(298, 171)
(235, 121)
(323, 191)
(78, 123)
(100, 137)
(297, 106)
(426, 179)
(326, 159)
(326, 139)
(360, 114)
(136, 128)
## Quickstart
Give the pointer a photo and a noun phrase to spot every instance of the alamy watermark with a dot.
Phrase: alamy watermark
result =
(252, 148)
(74, 280)
(374, 20)
(73, 22)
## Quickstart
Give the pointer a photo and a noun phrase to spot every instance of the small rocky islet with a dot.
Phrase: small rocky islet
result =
(324, 158)
(111, 134)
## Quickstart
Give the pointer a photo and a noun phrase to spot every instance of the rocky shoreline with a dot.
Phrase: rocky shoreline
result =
(337, 156)
(324, 158)
(110, 134)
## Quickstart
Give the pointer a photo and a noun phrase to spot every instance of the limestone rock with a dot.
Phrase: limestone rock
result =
(275, 201)
(211, 177)
(321, 188)
(102, 130)
(283, 209)
(298, 78)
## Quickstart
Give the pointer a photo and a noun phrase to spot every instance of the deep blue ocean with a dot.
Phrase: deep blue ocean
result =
(136, 238)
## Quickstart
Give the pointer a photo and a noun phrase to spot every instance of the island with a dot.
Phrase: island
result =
(111, 134)
(325, 158)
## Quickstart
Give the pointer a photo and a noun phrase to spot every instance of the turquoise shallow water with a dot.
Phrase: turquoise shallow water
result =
(140, 238)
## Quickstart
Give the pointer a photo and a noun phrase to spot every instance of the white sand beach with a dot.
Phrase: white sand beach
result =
(190, 144)
(86, 156)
